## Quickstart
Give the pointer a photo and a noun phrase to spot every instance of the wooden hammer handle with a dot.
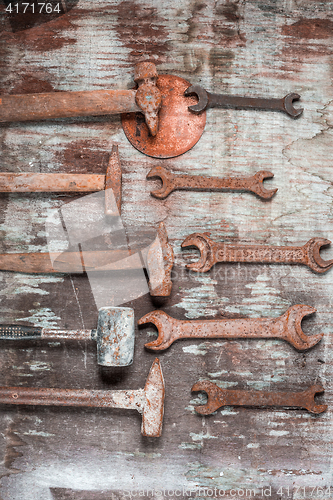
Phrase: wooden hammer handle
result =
(27, 107)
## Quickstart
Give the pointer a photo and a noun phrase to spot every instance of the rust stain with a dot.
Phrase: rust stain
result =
(226, 25)
(84, 156)
(43, 38)
(142, 31)
(29, 85)
(315, 29)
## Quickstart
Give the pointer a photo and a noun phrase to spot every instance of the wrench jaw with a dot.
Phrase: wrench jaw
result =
(202, 96)
(214, 394)
(312, 255)
(308, 397)
(258, 188)
(205, 246)
(292, 327)
(163, 323)
(165, 177)
(289, 107)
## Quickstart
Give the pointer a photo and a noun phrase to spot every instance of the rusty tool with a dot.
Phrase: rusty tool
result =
(146, 100)
(218, 397)
(114, 335)
(148, 401)
(208, 100)
(172, 182)
(213, 252)
(287, 327)
(64, 183)
(158, 258)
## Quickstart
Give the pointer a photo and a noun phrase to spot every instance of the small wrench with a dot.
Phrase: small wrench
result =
(218, 397)
(287, 327)
(171, 182)
(208, 100)
(212, 252)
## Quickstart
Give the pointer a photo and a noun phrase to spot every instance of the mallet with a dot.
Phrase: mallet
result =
(148, 401)
(114, 335)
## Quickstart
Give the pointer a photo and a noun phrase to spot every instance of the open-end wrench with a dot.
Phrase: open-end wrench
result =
(172, 182)
(287, 327)
(146, 99)
(218, 397)
(208, 100)
(213, 252)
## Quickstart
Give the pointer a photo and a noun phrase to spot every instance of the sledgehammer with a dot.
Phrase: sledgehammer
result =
(148, 401)
(114, 335)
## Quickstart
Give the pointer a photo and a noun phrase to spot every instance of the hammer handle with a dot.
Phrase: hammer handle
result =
(14, 332)
(56, 183)
(27, 107)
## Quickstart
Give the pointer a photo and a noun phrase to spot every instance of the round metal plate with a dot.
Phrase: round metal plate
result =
(179, 129)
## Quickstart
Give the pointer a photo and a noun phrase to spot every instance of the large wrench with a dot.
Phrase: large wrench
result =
(171, 182)
(218, 397)
(208, 100)
(287, 327)
(213, 252)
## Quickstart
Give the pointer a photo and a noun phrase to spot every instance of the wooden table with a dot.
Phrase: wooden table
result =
(249, 48)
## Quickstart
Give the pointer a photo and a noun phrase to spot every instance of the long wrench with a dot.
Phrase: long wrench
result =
(287, 327)
(213, 252)
(147, 100)
(172, 182)
(218, 397)
(208, 100)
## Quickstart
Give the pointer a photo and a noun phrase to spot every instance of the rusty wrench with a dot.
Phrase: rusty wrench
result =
(287, 327)
(218, 397)
(172, 182)
(208, 100)
(213, 252)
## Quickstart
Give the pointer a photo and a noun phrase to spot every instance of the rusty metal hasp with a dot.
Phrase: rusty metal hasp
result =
(287, 327)
(114, 335)
(172, 182)
(148, 401)
(146, 100)
(65, 183)
(218, 397)
(212, 252)
(158, 259)
(208, 100)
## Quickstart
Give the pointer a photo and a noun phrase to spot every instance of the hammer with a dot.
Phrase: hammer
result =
(146, 99)
(148, 401)
(63, 183)
(114, 335)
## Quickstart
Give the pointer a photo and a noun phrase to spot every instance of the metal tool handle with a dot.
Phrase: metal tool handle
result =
(27, 107)
(14, 332)
(233, 328)
(72, 397)
(240, 102)
(256, 253)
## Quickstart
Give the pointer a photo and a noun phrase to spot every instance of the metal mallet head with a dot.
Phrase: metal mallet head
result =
(114, 335)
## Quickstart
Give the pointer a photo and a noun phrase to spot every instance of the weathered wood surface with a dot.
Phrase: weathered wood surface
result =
(253, 47)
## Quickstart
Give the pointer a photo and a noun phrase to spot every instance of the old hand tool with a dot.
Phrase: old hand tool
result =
(286, 327)
(172, 182)
(64, 183)
(208, 100)
(146, 100)
(148, 401)
(218, 397)
(114, 335)
(212, 252)
(158, 259)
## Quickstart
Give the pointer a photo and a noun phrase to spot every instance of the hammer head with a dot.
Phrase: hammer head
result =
(115, 336)
(152, 417)
(113, 180)
(148, 97)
